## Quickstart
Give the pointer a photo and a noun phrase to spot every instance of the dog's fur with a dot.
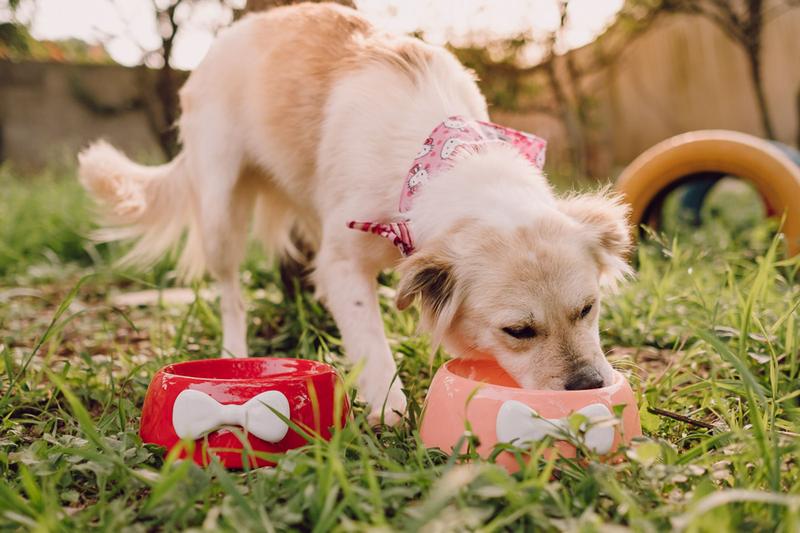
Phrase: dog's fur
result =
(307, 117)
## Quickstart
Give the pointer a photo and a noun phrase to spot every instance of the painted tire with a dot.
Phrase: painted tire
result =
(679, 159)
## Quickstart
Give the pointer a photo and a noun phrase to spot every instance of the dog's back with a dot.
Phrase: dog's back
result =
(251, 124)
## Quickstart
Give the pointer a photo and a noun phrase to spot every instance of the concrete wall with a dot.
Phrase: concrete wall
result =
(49, 110)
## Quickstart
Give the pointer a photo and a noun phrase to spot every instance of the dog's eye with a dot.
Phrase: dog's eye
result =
(520, 332)
(586, 310)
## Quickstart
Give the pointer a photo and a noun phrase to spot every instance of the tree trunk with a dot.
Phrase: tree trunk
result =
(753, 27)
(797, 101)
(581, 114)
(569, 117)
(761, 98)
(167, 85)
(167, 91)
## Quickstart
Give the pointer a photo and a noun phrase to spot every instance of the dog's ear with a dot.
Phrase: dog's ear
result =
(430, 278)
(604, 216)
(430, 275)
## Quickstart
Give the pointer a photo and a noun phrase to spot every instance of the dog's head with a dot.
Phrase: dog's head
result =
(529, 297)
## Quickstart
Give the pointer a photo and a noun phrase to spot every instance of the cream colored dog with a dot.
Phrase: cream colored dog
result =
(308, 117)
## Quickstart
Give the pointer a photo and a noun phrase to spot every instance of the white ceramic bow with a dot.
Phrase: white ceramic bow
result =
(196, 413)
(518, 422)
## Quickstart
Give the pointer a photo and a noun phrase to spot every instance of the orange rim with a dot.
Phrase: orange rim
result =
(772, 173)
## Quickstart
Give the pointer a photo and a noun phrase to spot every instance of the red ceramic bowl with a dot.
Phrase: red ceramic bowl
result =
(479, 393)
(211, 400)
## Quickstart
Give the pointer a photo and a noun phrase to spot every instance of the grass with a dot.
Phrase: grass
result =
(708, 330)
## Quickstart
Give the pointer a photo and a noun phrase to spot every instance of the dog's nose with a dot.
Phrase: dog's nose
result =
(585, 378)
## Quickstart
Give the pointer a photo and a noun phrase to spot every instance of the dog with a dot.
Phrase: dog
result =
(305, 119)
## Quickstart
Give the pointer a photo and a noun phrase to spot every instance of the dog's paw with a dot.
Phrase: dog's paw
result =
(389, 409)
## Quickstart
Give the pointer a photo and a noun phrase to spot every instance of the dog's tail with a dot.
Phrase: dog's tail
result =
(153, 205)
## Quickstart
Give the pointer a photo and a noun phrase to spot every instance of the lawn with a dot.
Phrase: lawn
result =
(707, 332)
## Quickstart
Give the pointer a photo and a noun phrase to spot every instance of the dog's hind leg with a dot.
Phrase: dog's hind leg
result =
(225, 200)
(232, 232)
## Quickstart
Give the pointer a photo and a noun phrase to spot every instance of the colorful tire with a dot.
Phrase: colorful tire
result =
(677, 160)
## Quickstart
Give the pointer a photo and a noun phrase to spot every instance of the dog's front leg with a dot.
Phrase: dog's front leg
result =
(349, 290)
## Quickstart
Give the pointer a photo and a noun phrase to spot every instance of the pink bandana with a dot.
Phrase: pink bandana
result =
(438, 154)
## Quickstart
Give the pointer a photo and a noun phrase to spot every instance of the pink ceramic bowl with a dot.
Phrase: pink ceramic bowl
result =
(480, 392)
(218, 403)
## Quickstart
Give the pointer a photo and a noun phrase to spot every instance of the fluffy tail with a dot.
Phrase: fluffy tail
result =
(152, 205)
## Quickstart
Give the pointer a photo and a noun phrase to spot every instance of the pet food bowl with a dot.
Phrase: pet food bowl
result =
(230, 406)
(479, 394)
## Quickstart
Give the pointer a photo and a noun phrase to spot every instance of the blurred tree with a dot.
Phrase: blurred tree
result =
(556, 85)
(167, 83)
(743, 22)
(168, 80)
(17, 44)
(161, 95)
(14, 37)
(14, 40)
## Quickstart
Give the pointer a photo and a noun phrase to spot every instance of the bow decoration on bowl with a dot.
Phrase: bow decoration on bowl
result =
(195, 414)
(518, 422)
